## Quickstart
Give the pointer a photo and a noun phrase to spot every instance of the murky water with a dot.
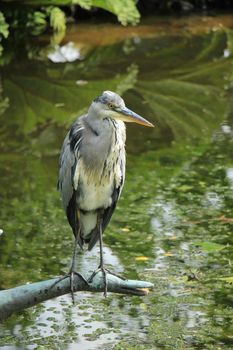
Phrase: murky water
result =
(173, 224)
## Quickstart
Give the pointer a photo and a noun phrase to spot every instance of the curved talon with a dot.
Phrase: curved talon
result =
(116, 274)
(104, 272)
(70, 275)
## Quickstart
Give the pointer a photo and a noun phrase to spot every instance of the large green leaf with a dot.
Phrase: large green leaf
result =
(126, 10)
(57, 19)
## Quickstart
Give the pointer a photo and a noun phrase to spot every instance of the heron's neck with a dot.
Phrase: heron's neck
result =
(101, 127)
(95, 125)
(105, 137)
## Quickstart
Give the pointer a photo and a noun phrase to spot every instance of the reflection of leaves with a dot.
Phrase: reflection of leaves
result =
(57, 38)
(188, 99)
(4, 102)
(3, 26)
(184, 106)
(212, 44)
(4, 32)
(210, 247)
(184, 94)
(129, 81)
(229, 34)
(34, 99)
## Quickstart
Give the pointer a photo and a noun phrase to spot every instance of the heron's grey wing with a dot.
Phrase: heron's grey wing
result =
(68, 165)
(107, 214)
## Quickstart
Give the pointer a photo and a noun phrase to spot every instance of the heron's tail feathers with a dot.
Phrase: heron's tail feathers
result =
(94, 237)
(80, 241)
(72, 215)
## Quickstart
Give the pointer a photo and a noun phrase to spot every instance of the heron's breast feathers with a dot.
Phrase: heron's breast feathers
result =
(95, 186)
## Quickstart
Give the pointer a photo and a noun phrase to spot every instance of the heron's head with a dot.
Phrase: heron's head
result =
(111, 105)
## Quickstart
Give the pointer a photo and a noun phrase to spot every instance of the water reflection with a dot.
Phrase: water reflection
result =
(65, 53)
(175, 206)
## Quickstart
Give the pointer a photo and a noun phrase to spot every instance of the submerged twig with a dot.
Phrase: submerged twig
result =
(22, 297)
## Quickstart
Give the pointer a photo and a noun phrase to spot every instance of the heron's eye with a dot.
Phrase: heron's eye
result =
(110, 105)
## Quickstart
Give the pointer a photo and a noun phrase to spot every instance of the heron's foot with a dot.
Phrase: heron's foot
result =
(104, 273)
(71, 275)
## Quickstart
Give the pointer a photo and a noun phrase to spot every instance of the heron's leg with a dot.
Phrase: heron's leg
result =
(101, 245)
(101, 264)
(72, 271)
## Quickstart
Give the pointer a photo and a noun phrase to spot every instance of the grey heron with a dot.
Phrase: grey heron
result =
(92, 171)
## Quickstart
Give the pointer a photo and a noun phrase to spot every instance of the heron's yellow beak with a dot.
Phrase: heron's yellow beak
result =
(129, 116)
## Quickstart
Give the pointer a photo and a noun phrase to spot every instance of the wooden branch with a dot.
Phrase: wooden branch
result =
(22, 297)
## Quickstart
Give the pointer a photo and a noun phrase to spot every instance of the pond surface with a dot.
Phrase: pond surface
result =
(173, 223)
